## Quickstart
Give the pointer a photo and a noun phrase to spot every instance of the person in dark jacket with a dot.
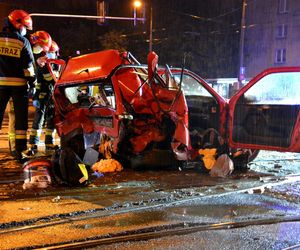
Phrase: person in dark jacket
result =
(16, 73)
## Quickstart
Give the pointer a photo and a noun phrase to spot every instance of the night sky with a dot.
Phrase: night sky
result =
(205, 32)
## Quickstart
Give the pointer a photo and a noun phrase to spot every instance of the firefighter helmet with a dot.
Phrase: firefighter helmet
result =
(54, 48)
(41, 40)
(20, 19)
(37, 173)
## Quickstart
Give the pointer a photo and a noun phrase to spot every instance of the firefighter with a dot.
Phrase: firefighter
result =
(41, 42)
(43, 102)
(16, 73)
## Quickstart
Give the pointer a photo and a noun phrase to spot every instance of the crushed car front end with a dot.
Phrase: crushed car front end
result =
(109, 102)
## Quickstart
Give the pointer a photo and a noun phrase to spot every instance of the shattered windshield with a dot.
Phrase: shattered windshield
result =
(96, 94)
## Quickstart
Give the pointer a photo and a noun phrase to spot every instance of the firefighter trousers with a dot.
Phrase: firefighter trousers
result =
(19, 96)
(45, 112)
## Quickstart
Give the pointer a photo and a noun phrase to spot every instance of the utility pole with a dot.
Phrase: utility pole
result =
(150, 26)
(242, 41)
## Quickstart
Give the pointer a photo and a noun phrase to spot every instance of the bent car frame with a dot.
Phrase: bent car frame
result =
(145, 115)
(108, 101)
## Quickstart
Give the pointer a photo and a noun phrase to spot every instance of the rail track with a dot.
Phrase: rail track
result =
(159, 232)
(118, 209)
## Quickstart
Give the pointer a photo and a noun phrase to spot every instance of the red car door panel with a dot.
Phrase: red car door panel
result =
(264, 114)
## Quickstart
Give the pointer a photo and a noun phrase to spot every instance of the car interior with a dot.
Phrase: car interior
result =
(203, 109)
(264, 124)
(266, 113)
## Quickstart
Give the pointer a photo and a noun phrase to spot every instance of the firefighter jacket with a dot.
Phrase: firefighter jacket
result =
(44, 85)
(16, 60)
(45, 109)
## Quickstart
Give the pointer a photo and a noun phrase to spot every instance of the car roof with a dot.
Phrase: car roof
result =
(90, 66)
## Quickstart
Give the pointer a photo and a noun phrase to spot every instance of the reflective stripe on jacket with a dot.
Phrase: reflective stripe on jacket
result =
(12, 81)
(45, 83)
(16, 59)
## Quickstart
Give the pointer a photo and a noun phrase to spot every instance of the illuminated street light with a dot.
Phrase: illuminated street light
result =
(136, 4)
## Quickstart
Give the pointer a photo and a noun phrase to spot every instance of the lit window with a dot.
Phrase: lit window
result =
(280, 56)
(282, 6)
(281, 31)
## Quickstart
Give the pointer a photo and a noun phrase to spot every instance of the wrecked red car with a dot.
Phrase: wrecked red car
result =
(107, 102)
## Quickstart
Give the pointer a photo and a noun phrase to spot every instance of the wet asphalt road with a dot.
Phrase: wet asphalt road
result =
(279, 236)
(132, 201)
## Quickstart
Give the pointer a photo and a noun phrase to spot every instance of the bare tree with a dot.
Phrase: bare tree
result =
(114, 40)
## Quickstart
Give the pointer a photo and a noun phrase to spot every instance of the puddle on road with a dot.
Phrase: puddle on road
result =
(208, 213)
(134, 184)
(217, 210)
(130, 219)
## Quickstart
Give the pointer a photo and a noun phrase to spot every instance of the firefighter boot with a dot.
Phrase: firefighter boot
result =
(21, 157)
(50, 149)
(32, 150)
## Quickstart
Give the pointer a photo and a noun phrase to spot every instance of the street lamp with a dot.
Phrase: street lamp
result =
(150, 28)
(136, 4)
(241, 76)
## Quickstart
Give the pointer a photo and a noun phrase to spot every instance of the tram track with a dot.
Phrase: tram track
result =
(118, 209)
(168, 197)
(159, 232)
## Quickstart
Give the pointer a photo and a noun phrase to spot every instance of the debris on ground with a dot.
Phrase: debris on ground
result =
(56, 199)
(208, 157)
(25, 208)
(107, 166)
(276, 165)
(97, 174)
(222, 167)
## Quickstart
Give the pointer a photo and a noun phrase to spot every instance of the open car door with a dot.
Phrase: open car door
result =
(55, 67)
(264, 114)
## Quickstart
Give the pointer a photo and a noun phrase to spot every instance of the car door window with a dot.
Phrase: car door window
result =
(266, 113)
(276, 88)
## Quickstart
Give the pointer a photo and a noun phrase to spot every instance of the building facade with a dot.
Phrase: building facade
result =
(272, 35)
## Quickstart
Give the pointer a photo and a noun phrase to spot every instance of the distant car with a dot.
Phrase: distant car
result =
(145, 115)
